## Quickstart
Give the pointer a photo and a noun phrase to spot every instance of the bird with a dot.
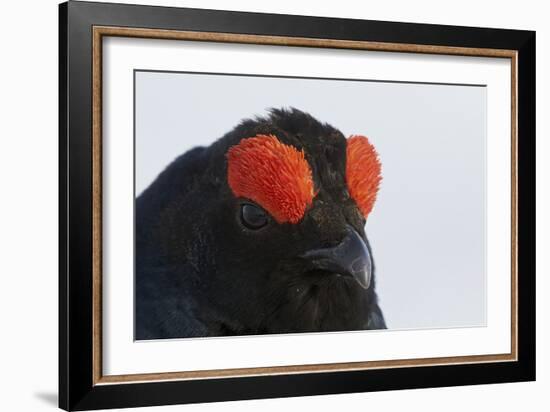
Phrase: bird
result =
(262, 232)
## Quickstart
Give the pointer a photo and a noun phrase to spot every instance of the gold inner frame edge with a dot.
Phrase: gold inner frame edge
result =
(98, 32)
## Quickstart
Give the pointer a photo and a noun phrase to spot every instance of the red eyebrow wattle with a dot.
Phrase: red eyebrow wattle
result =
(363, 172)
(274, 175)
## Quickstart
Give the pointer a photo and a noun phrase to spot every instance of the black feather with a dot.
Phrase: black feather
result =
(200, 272)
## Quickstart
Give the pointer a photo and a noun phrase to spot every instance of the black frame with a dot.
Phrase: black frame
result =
(76, 388)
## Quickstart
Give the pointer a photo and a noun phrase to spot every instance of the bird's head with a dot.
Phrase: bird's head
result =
(274, 224)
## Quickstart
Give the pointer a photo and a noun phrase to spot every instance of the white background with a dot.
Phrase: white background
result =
(417, 128)
(28, 222)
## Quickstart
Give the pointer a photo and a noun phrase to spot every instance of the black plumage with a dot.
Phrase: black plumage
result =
(202, 271)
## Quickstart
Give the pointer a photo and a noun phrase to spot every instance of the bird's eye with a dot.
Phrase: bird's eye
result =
(253, 217)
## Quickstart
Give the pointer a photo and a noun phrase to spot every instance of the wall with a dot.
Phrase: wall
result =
(28, 222)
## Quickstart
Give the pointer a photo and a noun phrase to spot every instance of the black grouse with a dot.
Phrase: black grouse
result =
(261, 232)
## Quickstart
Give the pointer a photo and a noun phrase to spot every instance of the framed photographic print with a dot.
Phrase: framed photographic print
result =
(257, 205)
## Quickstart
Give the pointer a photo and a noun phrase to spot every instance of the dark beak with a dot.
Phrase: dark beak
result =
(351, 257)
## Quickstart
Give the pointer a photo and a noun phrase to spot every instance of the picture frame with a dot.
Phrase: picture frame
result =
(83, 383)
